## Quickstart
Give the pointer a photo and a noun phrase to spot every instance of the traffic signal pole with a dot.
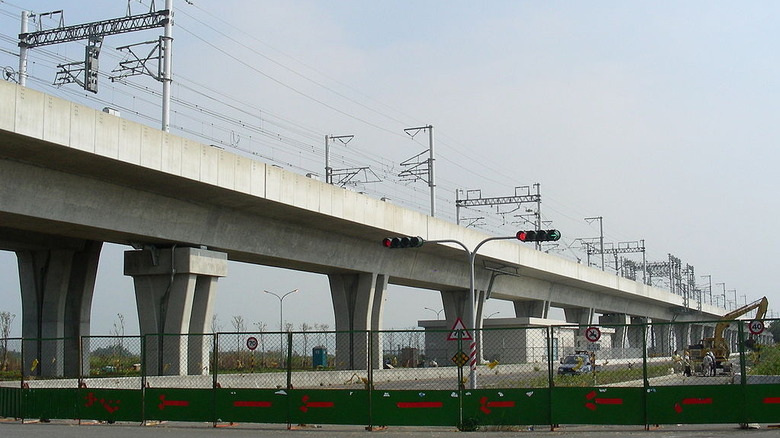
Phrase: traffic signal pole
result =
(471, 314)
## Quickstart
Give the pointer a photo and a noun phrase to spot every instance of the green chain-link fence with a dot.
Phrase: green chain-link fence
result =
(602, 374)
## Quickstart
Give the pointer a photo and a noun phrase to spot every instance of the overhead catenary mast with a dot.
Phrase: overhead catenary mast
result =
(94, 33)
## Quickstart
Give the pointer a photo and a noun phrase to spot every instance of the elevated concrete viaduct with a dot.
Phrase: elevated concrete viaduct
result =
(72, 177)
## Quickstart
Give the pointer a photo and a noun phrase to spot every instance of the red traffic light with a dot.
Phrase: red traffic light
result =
(538, 235)
(403, 242)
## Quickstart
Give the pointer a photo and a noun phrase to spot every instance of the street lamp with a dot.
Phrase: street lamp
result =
(437, 312)
(494, 313)
(281, 322)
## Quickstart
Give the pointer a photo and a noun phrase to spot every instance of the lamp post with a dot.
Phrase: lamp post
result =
(437, 312)
(281, 323)
(494, 313)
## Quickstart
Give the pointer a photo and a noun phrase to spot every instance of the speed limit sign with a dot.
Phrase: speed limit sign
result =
(756, 327)
(251, 343)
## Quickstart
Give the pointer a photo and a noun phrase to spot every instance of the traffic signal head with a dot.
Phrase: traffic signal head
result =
(403, 242)
(538, 235)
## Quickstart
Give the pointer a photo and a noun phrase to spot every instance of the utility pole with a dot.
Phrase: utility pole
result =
(423, 170)
(601, 235)
(709, 289)
(724, 293)
(94, 33)
(344, 139)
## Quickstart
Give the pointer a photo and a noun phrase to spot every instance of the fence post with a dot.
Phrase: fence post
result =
(214, 370)
(21, 388)
(289, 360)
(550, 375)
(143, 379)
(370, 374)
(742, 370)
(215, 360)
(645, 381)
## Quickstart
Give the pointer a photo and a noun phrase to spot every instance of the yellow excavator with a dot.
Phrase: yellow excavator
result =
(717, 344)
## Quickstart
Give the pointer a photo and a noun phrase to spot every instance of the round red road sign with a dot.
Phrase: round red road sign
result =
(756, 327)
(592, 334)
(251, 343)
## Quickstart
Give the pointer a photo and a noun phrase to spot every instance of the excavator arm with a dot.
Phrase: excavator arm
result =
(762, 305)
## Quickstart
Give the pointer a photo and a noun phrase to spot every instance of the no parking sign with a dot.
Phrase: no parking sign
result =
(592, 334)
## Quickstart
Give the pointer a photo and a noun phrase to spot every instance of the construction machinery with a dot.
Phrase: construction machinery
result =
(720, 346)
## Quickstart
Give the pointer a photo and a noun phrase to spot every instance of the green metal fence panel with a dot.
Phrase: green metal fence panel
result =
(110, 404)
(179, 404)
(529, 406)
(415, 408)
(329, 406)
(695, 404)
(252, 405)
(597, 405)
(49, 403)
(762, 403)
(10, 402)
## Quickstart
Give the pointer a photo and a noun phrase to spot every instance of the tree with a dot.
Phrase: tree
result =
(119, 330)
(216, 327)
(305, 328)
(774, 328)
(6, 318)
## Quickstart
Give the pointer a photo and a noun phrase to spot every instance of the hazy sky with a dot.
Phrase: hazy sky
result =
(658, 116)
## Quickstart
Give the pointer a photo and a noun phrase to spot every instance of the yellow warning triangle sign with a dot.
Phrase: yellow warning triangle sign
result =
(458, 331)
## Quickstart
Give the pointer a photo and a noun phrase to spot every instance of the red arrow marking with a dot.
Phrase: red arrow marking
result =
(600, 401)
(694, 401)
(164, 402)
(307, 404)
(697, 401)
(771, 400)
(609, 401)
(252, 404)
(419, 404)
(484, 405)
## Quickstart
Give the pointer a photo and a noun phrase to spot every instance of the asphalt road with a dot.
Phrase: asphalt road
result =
(70, 429)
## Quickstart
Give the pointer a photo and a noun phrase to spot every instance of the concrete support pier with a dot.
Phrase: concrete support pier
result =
(358, 303)
(174, 290)
(57, 283)
(531, 308)
(620, 321)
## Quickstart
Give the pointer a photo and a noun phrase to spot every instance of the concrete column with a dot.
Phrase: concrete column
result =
(531, 308)
(637, 332)
(579, 315)
(57, 284)
(583, 317)
(682, 337)
(174, 290)
(358, 301)
(619, 322)
(454, 303)
(697, 333)
(661, 339)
